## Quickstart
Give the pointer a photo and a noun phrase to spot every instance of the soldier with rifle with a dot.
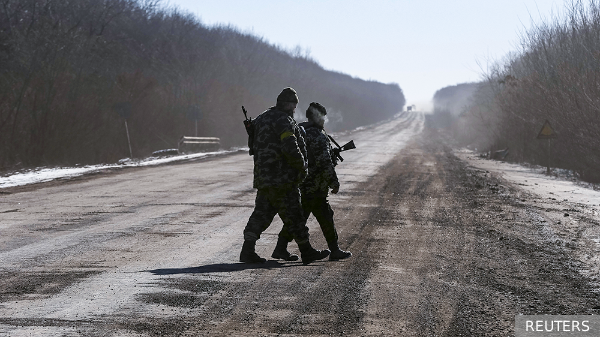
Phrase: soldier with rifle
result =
(280, 165)
(322, 159)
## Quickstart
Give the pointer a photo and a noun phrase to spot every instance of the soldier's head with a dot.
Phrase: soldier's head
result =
(316, 113)
(287, 100)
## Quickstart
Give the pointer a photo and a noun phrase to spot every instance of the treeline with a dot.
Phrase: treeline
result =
(450, 102)
(71, 70)
(554, 77)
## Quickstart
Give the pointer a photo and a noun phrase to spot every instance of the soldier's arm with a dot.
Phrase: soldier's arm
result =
(290, 148)
(324, 161)
(302, 143)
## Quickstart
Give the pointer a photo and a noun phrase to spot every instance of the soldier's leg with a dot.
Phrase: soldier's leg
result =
(320, 207)
(324, 214)
(259, 221)
(289, 207)
(280, 251)
(261, 217)
(285, 232)
(285, 237)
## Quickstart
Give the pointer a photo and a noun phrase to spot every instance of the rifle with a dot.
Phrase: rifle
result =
(249, 130)
(336, 151)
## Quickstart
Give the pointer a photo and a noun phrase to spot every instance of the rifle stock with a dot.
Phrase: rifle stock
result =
(249, 130)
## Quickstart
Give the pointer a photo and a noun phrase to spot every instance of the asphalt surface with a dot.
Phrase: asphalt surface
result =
(439, 249)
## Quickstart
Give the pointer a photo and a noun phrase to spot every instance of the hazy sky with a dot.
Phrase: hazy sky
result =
(423, 45)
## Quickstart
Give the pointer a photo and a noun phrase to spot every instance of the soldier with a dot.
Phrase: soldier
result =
(315, 188)
(279, 167)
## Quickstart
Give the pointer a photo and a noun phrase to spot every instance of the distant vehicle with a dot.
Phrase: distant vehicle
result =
(411, 108)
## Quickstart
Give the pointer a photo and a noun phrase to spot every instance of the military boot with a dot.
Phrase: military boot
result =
(336, 252)
(248, 255)
(309, 254)
(281, 251)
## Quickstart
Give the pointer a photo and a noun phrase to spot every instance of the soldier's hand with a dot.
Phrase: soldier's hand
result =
(335, 189)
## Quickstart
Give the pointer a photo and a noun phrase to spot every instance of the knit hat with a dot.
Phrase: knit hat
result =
(319, 107)
(288, 95)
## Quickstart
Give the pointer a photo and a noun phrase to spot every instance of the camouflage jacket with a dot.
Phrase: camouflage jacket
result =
(321, 171)
(279, 150)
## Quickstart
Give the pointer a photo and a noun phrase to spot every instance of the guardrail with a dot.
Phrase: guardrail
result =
(198, 144)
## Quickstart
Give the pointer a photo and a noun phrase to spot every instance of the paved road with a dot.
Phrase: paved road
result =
(439, 250)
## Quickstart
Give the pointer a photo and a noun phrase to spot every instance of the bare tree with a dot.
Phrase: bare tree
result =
(66, 64)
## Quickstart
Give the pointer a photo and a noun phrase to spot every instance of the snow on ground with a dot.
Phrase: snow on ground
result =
(534, 180)
(530, 179)
(569, 209)
(40, 175)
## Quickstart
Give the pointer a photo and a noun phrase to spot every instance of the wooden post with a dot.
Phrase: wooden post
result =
(128, 141)
(547, 133)
(548, 157)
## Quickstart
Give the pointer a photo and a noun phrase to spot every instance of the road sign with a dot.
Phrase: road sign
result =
(546, 132)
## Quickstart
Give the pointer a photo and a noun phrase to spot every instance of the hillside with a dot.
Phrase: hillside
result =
(72, 70)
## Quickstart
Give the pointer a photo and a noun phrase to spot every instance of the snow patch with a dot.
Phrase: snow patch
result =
(533, 179)
(40, 175)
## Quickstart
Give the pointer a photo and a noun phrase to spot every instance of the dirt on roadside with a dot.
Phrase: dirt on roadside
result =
(469, 251)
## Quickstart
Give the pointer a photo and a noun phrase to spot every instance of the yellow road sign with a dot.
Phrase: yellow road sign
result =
(546, 132)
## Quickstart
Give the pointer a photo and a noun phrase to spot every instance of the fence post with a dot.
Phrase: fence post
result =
(128, 141)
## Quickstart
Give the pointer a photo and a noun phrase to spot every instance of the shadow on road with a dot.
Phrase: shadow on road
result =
(222, 268)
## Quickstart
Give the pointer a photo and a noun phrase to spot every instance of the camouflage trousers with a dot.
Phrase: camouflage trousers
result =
(319, 206)
(283, 201)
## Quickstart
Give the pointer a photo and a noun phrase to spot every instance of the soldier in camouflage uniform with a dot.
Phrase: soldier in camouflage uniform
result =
(280, 165)
(315, 188)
